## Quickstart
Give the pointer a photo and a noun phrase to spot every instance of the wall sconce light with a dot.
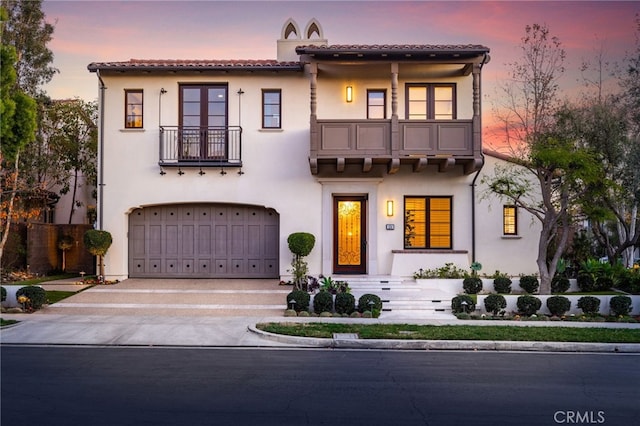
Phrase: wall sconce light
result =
(389, 208)
(349, 93)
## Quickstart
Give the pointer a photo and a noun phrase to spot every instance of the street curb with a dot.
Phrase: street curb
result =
(450, 345)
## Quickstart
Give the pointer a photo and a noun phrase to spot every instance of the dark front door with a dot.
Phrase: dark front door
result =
(349, 235)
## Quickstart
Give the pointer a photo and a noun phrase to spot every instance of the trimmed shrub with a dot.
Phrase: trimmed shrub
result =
(323, 302)
(558, 305)
(302, 299)
(590, 305)
(528, 305)
(603, 283)
(586, 282)
(457, 307)
(37, 296)
(560, 284)
(301, 243)
(364, 305)
(345, 303)
(620, 305)
(529, 283)
(472, 285)
(502, 285)
(494, 303)
(3, 291)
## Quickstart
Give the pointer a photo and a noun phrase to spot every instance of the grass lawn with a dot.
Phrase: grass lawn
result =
(54, 296)
(38, 280)
(457, 332)
(4, 322)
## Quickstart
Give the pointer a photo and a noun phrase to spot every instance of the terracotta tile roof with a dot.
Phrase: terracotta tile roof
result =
(196, 65)
(381, 48)
(398, 49)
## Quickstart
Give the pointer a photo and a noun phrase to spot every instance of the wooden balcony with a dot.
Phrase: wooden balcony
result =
(366, 144)
(200, 146)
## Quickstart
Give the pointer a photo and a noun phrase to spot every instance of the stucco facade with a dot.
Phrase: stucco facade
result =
(324, 151)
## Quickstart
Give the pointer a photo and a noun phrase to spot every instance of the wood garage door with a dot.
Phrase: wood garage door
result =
(204, 241)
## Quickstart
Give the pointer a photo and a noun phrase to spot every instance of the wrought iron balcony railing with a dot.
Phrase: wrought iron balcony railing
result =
(201, 146)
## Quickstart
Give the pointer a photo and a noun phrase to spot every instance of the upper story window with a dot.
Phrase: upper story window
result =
(428, 222)
(430, 101)
(509, 220)
(271, 108)
(376, 104)
(133, 108)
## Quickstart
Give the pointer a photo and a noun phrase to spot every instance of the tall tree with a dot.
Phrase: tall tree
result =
(73, 138)
(25, 67)
(541, 183)
(18, 111)
(27, 31)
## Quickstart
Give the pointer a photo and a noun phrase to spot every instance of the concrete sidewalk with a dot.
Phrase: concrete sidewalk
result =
(121, 330)
(217, 313)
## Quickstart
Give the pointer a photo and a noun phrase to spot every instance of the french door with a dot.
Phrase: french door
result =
(203, 122)
(349, 235)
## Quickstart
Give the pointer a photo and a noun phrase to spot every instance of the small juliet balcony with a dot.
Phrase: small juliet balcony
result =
(183, 146)
(362, 145)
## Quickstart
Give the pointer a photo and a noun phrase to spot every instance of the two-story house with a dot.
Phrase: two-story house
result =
(206, 166)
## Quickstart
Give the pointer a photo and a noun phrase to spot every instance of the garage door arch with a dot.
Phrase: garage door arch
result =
(207, 240)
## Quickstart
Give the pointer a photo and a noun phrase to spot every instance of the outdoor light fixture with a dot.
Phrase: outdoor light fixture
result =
(349, 93)
(389, 207)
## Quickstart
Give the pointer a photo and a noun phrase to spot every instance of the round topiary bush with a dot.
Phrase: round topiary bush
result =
(586, 282)
(620, 305)
(301, 243)
(364, 303)
(3, 291)
(472, 285)
(560, 284)
(36, 295)
(323, 302)
(345, 303)
(301, 298)
(494, 303)
(502, 285)
(529, 283)
(590, 305)
(558, 305)
(603, 283)
(528, 305)
(457, 307)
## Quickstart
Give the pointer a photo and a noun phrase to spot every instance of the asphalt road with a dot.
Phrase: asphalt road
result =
(185, 386)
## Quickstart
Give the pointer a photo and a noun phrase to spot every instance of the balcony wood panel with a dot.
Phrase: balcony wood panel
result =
(370, 144)
(354, 139)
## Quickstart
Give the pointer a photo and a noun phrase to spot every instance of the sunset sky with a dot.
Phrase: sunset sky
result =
(95, 31)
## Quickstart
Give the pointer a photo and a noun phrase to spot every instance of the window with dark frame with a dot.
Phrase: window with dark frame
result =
(133, 109)
(271, 108)
(376, 104)
(430, 101)
(509, 220)
(428, 222)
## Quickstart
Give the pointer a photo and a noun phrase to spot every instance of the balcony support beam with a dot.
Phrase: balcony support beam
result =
(367, 164)
(446, 164)
(420, 164)
(394, 166)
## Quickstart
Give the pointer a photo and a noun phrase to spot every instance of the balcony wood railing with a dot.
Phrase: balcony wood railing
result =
(441, 142)
(200, 146)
